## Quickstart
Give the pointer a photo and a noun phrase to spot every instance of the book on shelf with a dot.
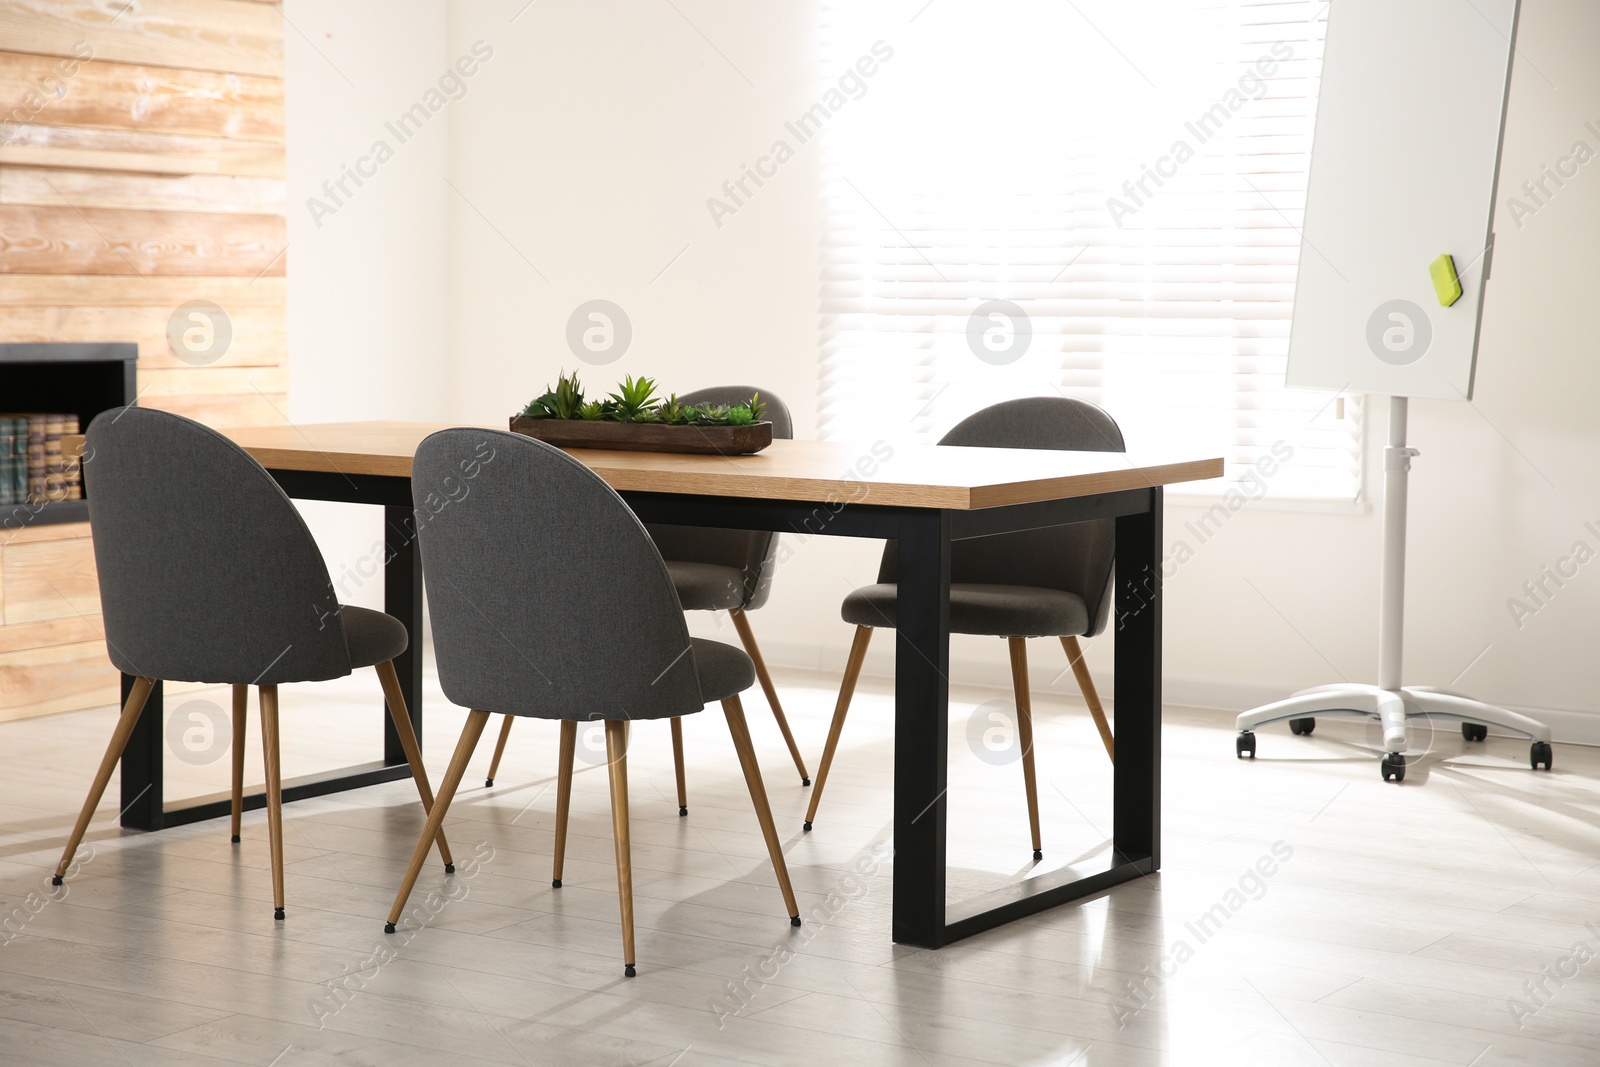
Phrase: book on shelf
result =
(33, 468)
(36, 480)
(13, 460)
(72, 464)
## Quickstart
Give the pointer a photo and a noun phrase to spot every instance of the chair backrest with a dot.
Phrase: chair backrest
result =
(207, 571)
(547, 596)
(1076, 559)
(751, 551)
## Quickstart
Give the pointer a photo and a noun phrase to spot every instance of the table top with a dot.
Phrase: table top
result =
(930, 476)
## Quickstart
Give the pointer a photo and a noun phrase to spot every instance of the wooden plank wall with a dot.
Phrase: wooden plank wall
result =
(141, 167)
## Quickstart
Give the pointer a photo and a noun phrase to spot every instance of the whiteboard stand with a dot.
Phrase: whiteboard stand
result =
(1382, 116)
(1389, 702)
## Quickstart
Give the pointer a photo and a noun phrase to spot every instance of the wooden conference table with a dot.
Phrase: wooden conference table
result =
(923, 497)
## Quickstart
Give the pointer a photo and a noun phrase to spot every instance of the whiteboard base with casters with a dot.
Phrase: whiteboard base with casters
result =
(1392, 709)
(1389, 703)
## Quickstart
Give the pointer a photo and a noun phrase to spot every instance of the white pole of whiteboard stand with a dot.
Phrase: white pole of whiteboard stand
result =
(1389, 702)
(1392, 621)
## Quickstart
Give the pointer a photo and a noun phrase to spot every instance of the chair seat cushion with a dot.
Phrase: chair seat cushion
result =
(722, 669)
(992, 610)
(706, 586)
(371, 636)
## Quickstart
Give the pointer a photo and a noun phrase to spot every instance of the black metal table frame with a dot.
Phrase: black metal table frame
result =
(922, 659)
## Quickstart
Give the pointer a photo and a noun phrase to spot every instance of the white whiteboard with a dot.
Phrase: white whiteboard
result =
(1403, 167)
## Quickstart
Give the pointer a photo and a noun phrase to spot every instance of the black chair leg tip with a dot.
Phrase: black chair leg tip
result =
(808, 828)
(555, 883)
(488, 783)
(683, 811)
(794, 920)
(388, 928)
(805, 781)
(628, 971)
(55, 879)
(277, 913)
(1037, 855)
(449, 868)
(236, 839)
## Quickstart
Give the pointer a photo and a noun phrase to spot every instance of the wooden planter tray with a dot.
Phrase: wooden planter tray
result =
(646, 436)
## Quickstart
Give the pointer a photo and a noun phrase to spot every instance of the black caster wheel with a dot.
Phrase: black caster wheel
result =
(449, 868)
(1541, 753)
(555, 883)
(1474, 731)
(388, 928)
(807, 828)
(628, 971)
(1394, 766)
(488, 783)
(55, 879)
(683, 811)
(1037, 855)
(794, 920)
(277, 913)
(805, 781)
(236, 839)
(1245, 744)
(1302, 726)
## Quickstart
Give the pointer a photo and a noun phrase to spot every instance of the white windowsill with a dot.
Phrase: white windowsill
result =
(1200, 502)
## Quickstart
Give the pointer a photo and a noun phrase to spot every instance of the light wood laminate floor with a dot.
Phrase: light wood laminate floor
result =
(1392, 925)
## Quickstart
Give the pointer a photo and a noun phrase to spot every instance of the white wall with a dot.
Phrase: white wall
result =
(584, 151)
(369, 283)
(599, 134)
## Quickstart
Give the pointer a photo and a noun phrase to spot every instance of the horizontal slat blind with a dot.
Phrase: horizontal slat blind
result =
(1131, 176)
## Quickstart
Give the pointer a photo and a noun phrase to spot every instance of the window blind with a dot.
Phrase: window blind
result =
(1100, 200)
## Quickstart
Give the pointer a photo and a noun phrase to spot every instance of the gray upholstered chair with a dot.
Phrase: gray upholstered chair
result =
(715, 570)
(549, 600)
(1053, 582)
(209, 574)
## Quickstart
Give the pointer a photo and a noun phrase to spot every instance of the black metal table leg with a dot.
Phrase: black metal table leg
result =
(142, 763)
(402, 598)
(922, 731)
(921, 728)
(1136, 804)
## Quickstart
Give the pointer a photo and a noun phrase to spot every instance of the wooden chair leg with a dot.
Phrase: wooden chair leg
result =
(1019, 684)
(569, 741)
(400, 716)
(499, 750)
(476, 720)
(748, 638)
(1080, 669)
(847, 688)
(677, 763)
(740, 730)
(617, 765)
(137, 695)
(241, 701)
(269, 750)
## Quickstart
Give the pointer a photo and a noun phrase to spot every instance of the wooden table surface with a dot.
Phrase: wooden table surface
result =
(906, 476)
(928, 476)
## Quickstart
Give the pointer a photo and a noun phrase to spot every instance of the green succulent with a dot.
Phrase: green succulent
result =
(673, 411)
(709, 415)
(633, 399)
(562, 402)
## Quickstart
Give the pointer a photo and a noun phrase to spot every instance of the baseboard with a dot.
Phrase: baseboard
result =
(1567, 726)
